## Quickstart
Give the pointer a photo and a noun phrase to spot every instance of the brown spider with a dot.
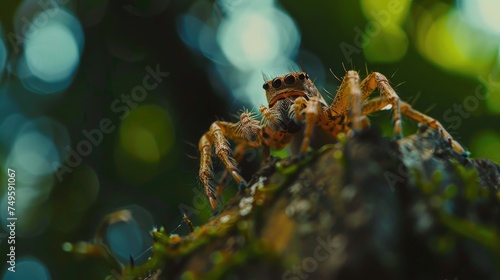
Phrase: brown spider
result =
(295, 104)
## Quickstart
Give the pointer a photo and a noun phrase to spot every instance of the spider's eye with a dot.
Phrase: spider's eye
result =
(276, 83)
(307, 76)
(302, 76)
(289, 79)
(265, 86)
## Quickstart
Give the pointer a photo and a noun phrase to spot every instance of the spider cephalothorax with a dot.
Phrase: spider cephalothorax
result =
(295, 104)
(281, 94)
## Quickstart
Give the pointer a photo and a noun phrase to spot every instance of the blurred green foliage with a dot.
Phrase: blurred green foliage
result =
(443, 65)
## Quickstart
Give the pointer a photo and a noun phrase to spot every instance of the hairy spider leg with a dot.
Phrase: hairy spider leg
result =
(407, 110)
(205, 172)
(346, 106)
(217, 137)
(312, 114)
(387, 97)
(238, 154)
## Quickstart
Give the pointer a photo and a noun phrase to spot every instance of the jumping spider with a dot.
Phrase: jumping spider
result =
(295, 104)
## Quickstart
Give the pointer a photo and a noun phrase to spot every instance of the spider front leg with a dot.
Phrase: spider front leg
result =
(309, 112)
(246, 131)
(238, 154)
(205, 172)
(348, 100)
(346, 107)
(388, 97)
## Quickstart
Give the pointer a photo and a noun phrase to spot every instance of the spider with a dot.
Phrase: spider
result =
(295, 104)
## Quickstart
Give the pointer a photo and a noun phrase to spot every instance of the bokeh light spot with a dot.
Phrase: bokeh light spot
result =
(52, 53)
(448, 41)
(147, 133)
(189, 28)
(386, 12)
(10, 127)
(124, 239)
(33, 153)
(31, 207)
(255, 38)
(131, 238)
(53, 42)
(493, 101)
(483, 143)
(483, 14)
(390, 45)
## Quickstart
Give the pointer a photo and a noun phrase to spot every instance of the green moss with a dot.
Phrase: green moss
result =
(287, 170)
(450, 192)
(428, 187)
(283, 153)
(470, 179)
(292, 169)
(488, 237)
(444, 244)
(255, 250)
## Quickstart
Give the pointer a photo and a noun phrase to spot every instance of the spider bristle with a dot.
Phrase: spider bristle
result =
(393, 74)
(241, 111)
(302, 67)
(297, 67)
(430, 108)
(399, 84)
(265, 76)
(415, 98)
(212, 189)
(328, 94)
(176, 228)
(192, 157)
(338, 79)
(191, 144)
(236, 116)
(247, 112)
(352, 66)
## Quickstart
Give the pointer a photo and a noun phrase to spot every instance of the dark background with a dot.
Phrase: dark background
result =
(158, 180)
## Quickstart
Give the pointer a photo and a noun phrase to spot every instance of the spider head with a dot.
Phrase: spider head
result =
(281, 93)
(291, 86)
